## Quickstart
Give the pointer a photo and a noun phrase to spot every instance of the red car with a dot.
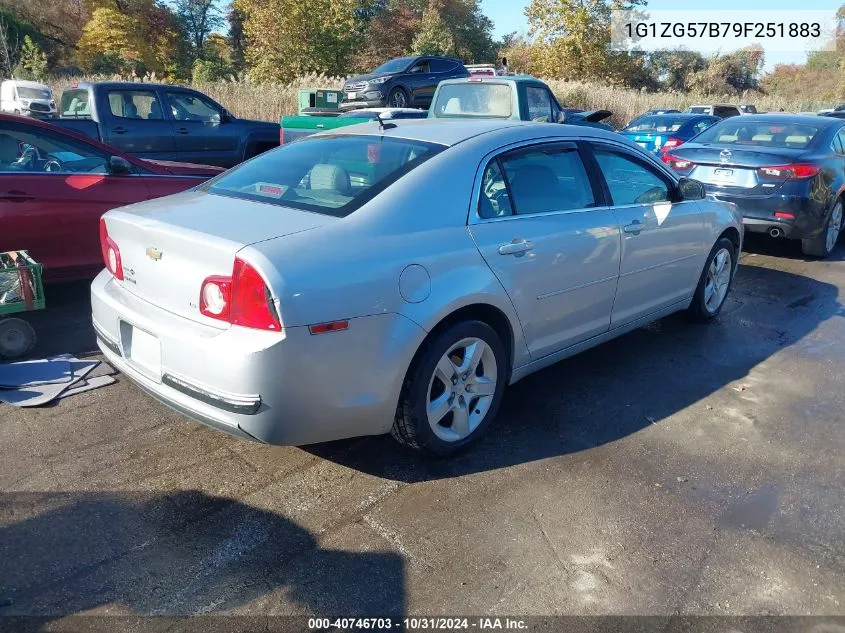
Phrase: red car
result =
(55, 185)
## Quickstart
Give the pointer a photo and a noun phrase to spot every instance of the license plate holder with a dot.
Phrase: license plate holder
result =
(144, 351)
(351, 95)
(723, 174)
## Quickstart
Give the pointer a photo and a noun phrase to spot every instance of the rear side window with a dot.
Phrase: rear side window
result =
(539, 104)
(75, 103)
(473, 100)
(725, 112)
(629, 181)
(135, 104)
(839, 142)
(442, 65)
(699, 127)
(536, 181)
(333, 175)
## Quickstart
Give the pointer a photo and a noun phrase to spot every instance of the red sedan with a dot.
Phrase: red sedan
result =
(55, 184)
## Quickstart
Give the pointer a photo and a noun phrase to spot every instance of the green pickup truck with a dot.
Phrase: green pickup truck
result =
(313, 120)
(518, 97)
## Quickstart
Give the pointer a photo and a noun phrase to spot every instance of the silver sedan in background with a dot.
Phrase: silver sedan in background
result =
(395, 277)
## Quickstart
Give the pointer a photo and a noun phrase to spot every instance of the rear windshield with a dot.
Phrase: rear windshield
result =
(75, 104)
(736, 132)
(332, 175)
(699, 110)
(656, 124)
(473, 100)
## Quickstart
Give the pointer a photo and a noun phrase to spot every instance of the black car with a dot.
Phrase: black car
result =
(401, 83)
(786, 173)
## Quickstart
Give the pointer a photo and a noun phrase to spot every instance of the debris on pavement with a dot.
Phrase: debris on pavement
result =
(35, 383)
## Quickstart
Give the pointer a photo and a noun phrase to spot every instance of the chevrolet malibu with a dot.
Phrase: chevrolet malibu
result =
(394, 278)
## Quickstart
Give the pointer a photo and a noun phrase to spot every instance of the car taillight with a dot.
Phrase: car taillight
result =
(796, 171)
(111, 253)
(671, 143)
(281, 136)
(678, 164)
(242, 299)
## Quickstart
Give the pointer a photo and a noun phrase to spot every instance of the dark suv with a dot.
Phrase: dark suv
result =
(401, 83)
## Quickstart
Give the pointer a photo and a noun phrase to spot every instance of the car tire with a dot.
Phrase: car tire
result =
(715, 282)
(822, 245)
(17, 337)
(398, 98)
(453, 390)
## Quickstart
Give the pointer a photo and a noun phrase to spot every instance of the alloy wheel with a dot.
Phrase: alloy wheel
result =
(461, 389)
(718, 280)
(398, 99)
(834, 227)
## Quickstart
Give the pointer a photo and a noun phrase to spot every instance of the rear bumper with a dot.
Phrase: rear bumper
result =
(758, 213)
(277, 387)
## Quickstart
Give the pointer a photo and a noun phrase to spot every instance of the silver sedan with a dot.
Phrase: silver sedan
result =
(395, 277)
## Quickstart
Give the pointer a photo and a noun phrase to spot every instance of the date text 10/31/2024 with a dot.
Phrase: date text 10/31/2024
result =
(416, 624)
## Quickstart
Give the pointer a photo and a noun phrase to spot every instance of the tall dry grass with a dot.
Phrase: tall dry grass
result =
(269, 101)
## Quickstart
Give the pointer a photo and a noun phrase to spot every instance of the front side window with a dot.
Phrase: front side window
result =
(135, 104)
(333, 175)
(536, 180)
(630, 181)
(539, 104)
(421, 67)
(29, 150)
(187, 106)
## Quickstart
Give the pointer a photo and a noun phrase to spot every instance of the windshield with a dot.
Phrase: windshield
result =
(394, 65)
(473, 100)
(34, 93)
(333, 175)
(656, 124)
(778, 135)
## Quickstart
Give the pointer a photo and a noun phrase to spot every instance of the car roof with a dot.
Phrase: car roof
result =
(497, 79)
(24, 83)
(677, 115)
(121, 84)
(450, 132)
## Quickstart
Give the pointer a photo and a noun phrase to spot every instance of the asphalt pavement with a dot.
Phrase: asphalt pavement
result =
(682, 469)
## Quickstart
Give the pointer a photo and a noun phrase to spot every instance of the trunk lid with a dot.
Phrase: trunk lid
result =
(726, 168)
(170, 245)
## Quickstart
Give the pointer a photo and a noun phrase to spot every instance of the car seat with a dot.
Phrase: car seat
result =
(155, 111)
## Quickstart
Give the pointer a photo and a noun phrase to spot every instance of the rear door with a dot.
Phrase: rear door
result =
(540, 225)
(135, 121)
(202, 134)
(53, 190)
(662, 241)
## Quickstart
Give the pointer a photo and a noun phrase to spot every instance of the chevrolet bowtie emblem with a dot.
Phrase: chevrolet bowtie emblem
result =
(154, 254)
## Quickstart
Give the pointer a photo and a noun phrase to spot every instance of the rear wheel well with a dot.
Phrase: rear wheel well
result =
(257, 148)
(483, 312)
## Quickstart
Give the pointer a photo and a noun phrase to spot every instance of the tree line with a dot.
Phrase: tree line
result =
(278, 40)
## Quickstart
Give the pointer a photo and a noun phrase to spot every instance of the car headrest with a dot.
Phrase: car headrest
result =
(327, 177)
(9, 149)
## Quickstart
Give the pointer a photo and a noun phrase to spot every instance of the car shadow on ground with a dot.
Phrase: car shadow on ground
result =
(185, 553)
(758, 244)
(621, 387)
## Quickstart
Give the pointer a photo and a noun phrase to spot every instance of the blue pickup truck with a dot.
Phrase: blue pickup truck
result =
(163, 122)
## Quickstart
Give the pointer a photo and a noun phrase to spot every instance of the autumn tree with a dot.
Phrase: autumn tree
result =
(237, 40)
(32, 62)
(388, 34)
(288, 38)
(434, 37)
(199, 18)
(573, 37)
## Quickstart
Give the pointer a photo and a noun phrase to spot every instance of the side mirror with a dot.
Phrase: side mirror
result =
(226, 117)
(119, 166)
(560, 117)
(689, 189)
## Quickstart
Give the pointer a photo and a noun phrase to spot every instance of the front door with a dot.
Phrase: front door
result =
(422, 83)
(203, 135)
(662, 245)
(53, 191)
(555, 251)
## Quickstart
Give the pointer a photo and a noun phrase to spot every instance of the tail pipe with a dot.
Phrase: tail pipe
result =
(775, 232)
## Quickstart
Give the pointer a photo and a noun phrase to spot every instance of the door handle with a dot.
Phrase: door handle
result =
(432, 78)
(16, 196)
(634, 227)
(517, 247)
(119, 130)
(182, 130)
